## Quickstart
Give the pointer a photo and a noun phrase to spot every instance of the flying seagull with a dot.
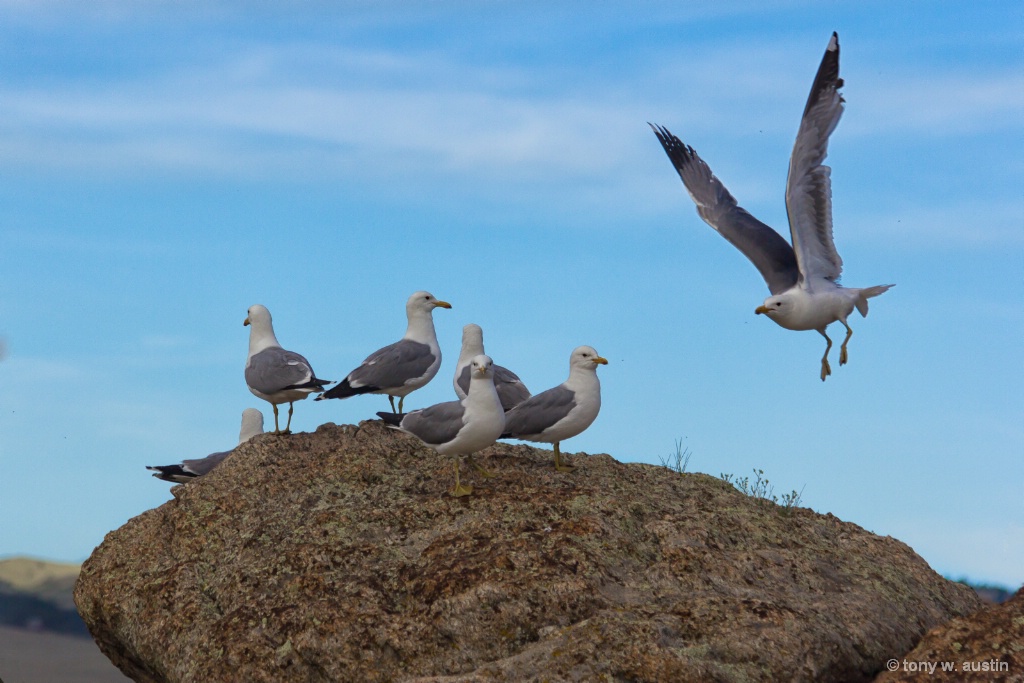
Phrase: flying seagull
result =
(252, 425)
(459, 427)
(562, 412)
(804, 278)
(403, 367)
(511, 389)
(273, 374)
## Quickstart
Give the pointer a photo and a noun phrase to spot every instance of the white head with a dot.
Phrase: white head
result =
(585, 358)
(261, 332)
(259, 317)
(424, 302)
(777, 307)
(472, 340)
(481, 367)
(252, 424)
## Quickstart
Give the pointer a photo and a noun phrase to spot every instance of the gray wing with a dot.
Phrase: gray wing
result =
(511, 390)
(463, 378)
(272, 370)
(537, 413)
(809, 185)
(437, 424)
(393, 366)
(765, 248)
(188, 469)
(202, 466)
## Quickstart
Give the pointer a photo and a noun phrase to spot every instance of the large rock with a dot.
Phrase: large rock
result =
(985, 646)
(340, 556)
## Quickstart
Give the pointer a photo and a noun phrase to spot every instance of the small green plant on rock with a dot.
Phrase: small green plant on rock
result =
(761, 489)
(678, 460)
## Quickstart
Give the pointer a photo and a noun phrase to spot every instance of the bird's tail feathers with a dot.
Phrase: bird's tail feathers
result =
(343, 390)
(867, 293)
(172, 473)
(392, 419)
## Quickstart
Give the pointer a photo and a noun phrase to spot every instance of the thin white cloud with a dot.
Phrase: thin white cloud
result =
(303, 110)
(937, 105)
(953, 223)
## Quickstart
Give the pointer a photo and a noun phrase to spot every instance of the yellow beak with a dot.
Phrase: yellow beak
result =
(443, 304)
(601, 361)
(245, 322)
(761, 309)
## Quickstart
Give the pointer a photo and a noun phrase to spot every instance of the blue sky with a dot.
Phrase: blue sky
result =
(163, 167)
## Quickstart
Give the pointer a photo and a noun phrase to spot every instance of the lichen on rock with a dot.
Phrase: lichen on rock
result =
(338, 556)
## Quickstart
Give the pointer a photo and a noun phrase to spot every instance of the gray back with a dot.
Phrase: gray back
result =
(394, 365)
(274, 369)
(437, 424)
(537, 413)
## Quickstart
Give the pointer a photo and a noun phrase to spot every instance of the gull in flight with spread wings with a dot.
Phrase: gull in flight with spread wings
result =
(803, 278)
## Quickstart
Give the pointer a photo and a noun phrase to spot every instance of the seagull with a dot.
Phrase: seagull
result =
(804, 278)
(562, 412)
(252, 425)
(459, 427)
(403, 367)
(273, 374)
(511, 389)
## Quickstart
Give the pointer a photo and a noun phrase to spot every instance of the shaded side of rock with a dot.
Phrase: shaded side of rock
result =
(987, 645)
(339, 556)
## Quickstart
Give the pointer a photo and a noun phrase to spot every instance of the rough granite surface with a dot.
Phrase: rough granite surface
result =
(338, 555)
(985, 646)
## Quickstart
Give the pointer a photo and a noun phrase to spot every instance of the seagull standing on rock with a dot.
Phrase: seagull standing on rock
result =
(562, 412)
(252, 425)
(459, 427)
(273, 374)
(803, 278)
(510, 388)
(403, 367)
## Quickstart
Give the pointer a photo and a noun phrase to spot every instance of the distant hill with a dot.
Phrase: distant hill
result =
(37, 595)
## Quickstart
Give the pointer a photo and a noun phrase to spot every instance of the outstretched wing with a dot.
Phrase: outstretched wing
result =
(765, 248)
(809, 186)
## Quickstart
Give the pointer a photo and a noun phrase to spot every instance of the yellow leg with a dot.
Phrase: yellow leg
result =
(843, 356)
(392, 399)
(460, 489)
(826, 369)
(277, 430)
(559, 465)
(288, 427)
(483, 473)
(401, 403)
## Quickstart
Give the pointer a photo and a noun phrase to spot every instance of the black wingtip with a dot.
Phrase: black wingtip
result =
(393, 419)
(171, 473)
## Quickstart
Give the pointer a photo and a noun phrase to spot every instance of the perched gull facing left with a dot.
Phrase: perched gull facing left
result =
(403, 367)
(459, 427)
(252, 425)
(273, 374)
(511, 389)
(803, 279)
(562, 412)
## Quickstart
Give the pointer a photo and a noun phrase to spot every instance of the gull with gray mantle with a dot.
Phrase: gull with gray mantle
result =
(511, 390)
(403, 367)
(273, 374)
(458, 428)
(803, 278)
(563, 412)
(252, 425)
